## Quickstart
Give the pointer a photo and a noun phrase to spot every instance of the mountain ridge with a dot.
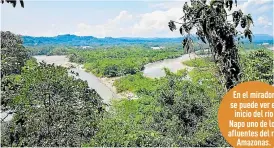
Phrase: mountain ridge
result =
(74, 40)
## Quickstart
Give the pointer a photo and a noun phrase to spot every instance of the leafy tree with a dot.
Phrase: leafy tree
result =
(50, 108)
(129, 124)
(119, 61)
(13, 2)
(13, 58)
(176, 112)
(13, 54)
(258, 66)
(213, 27)
(137, 84)
(189, 109)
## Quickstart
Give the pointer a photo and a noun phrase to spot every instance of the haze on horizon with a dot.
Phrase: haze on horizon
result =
(113, 18)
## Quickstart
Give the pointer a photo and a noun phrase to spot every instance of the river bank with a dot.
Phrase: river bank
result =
(156, 69)
(104, 86)
(106, 93)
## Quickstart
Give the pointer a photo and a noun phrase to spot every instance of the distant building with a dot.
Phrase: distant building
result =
(85, 47)
(265, 44)
(157, 48)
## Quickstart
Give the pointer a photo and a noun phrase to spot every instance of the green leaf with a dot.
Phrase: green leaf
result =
(249, 19)
(243, 22)
(181, 31)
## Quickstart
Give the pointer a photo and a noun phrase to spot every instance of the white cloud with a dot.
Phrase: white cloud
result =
(260, 6)
(264, 21)
(169, 4)
(123, 15)
(112, 27)
(262, 11)
(153, 24)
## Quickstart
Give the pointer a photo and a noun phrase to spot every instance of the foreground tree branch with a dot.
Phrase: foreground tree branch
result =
(214, 29)
(13, 2)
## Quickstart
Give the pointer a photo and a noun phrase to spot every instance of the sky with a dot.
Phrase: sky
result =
(112, 18)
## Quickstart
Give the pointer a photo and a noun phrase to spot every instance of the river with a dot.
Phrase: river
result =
(152, 70)
(93, 82)
(156, 69)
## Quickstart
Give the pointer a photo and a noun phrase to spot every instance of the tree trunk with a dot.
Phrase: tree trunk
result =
(226, 57)
(231, 68)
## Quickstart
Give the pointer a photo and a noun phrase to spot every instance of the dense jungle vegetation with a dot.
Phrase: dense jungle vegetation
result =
(117, 61)
(51, 108)
(49, 50)
(177, 110)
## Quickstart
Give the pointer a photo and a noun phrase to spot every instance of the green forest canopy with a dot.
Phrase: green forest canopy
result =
(177, 110)
(51, 108)
(119, 61)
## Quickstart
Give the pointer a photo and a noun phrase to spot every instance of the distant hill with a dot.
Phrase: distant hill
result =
(261, 38)
(73, 40)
